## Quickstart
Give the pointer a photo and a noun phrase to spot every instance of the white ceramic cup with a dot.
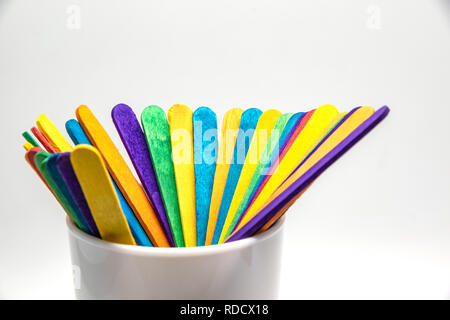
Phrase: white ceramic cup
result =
(244, 269)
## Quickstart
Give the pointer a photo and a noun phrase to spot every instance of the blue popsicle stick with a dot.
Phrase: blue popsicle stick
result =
(249, 120)
(286, 134)
(78, 136)
(205, 158)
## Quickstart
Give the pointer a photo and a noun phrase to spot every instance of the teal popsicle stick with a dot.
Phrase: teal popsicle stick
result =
(205, 158)
(249, 120)
(40, 159)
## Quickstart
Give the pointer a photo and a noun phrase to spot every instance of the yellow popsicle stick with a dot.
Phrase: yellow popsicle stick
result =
(52, 134)
(326, 130)
(350, 124)
(181, 133)
(259, 141)
(100, 195)
(313, 130)
(230, 128)
(122, 175)
(27, 146)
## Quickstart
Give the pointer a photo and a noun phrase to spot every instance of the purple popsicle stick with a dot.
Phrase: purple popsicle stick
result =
(309, 176)
(274, 157)
(64, 167)
(344, 118)
(133, 138)
(315, 148)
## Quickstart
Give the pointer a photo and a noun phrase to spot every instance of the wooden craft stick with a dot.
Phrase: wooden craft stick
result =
(52, 171)
(47, 146)
(29, 158)
(286, 135)
(259, 141)
(76, 133)
(205, 157)
(65, 169)
(303, 180)
(319, 120)
(123, 176)
(339, 120)
(273, 144)
(40, 160)
(78, 137)
(53, 135)
(27, 146)
(230, 128)
(247, 127)
(181, 133)
(157, 133)
(29, 138)
(133, 138)
(276, 159)
(100, 195)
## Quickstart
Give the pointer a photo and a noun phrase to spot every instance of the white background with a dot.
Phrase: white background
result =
(375, 225)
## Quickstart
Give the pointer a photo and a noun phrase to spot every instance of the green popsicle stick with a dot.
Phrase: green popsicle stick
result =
(40, 159)
(157, 133)
(30, 139)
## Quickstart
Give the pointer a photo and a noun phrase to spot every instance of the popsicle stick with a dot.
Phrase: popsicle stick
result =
(273, 143)
(339, 120)
(52, 134)
(40, 160)
(133, 138)
(312, 130)
(259, 141)
(282, 211)
(355, 119)
(78, 137)
(334, 124)
(29, 158)
(276, 158)
(64, 167)
(305, 179)
(247, 127)
(30, 139)
(27, 146)
(230, 128)
(100, 195)
(47, 146)
(76, 133)
(205, 157)
(52, 170)
(285, 137)
(123, 176)
(181, 133)
(157, 133)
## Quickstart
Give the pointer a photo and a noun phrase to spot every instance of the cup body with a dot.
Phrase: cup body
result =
(244, 269)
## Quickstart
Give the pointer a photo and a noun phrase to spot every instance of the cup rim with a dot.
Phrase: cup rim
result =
(174, 252)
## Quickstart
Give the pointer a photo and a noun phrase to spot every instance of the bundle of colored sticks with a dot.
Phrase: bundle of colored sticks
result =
(194, 186)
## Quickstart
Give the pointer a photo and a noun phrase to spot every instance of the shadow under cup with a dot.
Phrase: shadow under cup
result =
(244, 269)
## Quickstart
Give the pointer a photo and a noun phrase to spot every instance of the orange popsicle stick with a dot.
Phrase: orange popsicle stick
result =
(118, 168)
